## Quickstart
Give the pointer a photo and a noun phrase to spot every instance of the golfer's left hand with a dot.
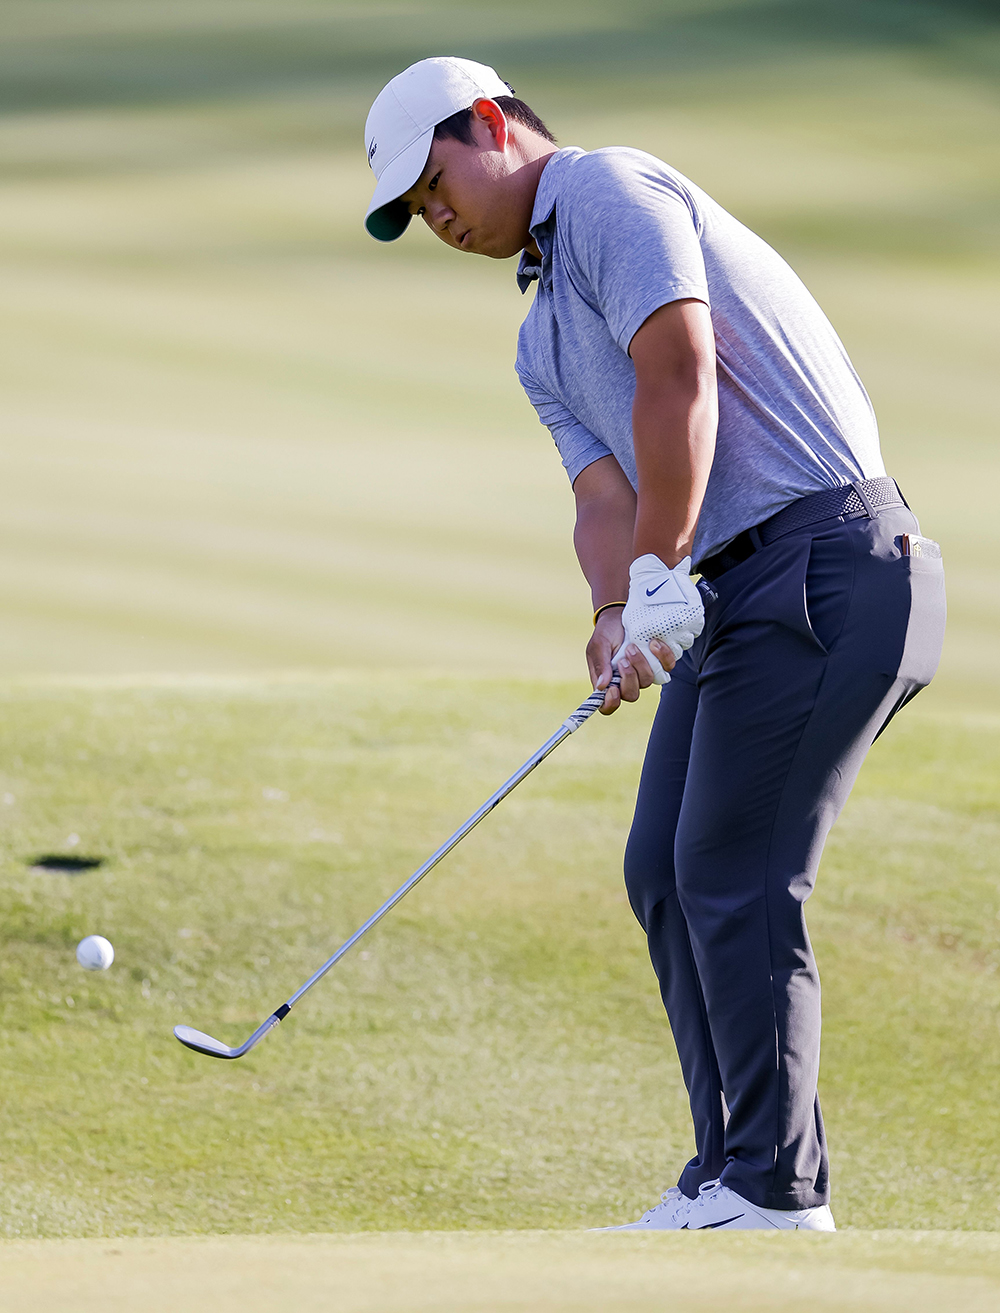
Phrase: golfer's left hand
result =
(632, 666)
(663, 604)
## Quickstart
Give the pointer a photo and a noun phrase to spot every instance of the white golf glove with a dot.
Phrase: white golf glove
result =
(662, 604)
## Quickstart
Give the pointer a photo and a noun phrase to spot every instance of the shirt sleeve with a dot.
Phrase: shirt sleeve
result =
(574, 441)
(631, 233)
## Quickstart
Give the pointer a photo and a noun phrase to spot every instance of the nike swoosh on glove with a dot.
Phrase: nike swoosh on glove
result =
(664, 604)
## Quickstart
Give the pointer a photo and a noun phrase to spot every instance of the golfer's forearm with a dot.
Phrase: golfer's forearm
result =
(605, 526)
(674, 419)
(673, 430)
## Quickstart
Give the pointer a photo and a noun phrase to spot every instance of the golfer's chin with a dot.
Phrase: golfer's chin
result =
(491, 245)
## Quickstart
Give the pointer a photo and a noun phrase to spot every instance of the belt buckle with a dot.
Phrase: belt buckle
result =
(870, 510)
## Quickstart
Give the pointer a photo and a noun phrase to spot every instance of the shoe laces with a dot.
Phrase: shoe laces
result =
(704, 1191)
(668, 1198)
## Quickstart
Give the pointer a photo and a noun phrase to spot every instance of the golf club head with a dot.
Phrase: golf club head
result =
(202, 1043)
(213, 1048)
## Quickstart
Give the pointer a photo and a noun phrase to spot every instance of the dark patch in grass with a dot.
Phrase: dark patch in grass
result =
(69, 865)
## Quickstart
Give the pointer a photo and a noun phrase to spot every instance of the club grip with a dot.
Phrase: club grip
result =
(589, 705)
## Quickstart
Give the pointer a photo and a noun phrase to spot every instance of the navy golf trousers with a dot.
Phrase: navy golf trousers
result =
(813, 643)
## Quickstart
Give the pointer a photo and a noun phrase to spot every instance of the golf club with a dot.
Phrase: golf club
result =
(213, 1048)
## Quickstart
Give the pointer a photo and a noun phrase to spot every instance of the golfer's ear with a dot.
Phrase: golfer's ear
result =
(490, 113)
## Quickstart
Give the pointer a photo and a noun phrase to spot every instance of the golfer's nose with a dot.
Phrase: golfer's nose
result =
(439, 217)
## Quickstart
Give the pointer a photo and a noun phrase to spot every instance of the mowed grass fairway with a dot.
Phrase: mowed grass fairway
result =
(238, 438)
(495, 1054)
(236, 433)
(512, 1272)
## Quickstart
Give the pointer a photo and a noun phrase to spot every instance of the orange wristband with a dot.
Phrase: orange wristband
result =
(606, 607)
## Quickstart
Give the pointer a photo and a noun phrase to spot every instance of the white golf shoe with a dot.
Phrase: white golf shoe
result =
(718, 1208)
(661, 1217)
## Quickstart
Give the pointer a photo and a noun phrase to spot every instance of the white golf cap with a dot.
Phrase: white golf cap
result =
(400, 129)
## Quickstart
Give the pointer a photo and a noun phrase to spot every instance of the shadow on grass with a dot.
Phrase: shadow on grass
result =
(64, 863)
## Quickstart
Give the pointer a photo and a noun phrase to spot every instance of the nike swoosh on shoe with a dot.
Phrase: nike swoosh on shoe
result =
(710, 1226)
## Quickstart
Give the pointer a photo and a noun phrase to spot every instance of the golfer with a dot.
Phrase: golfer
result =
(710, 423)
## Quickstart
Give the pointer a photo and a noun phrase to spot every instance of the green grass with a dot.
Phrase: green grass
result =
(236, 434)
(496, 1056)
(238, 437)
(879, 1272)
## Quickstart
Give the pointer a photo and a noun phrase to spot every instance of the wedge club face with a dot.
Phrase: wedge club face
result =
(214, 1048)
(202, 1043)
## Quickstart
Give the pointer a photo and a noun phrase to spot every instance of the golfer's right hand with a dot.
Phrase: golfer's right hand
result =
(608, 636)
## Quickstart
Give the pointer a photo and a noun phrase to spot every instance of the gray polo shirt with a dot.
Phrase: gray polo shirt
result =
(621, 234)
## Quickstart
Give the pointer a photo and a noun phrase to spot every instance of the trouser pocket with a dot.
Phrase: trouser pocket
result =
(923, 579)
(928, 613)
(829, 584)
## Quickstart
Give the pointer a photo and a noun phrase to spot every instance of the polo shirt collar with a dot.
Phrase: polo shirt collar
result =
(529, 268)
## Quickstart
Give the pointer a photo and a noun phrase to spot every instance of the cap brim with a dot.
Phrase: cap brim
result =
(387, 216)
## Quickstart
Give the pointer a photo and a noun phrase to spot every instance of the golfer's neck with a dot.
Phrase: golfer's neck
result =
(537, 167)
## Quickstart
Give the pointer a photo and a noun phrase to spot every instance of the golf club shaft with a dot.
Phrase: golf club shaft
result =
(200, 1042)
(572, 723)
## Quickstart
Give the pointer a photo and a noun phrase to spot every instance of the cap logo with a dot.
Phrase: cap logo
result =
(371, 151)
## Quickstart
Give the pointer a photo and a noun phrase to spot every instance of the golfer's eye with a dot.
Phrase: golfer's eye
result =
(417, 213)
(432, 185)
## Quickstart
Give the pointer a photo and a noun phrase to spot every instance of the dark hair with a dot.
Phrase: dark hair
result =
(459, 126)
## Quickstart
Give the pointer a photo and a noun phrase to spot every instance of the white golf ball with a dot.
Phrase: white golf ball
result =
(95, 953)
